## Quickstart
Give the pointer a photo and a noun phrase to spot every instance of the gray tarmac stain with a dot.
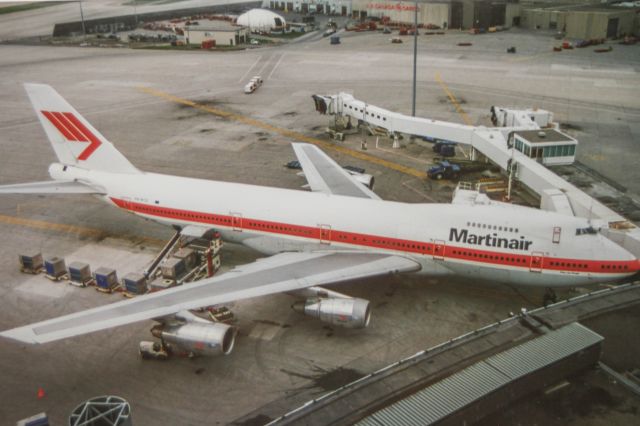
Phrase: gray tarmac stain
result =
(258, 420)
(327, 380)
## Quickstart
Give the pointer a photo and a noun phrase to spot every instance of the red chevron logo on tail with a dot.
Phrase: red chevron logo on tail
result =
(74, 131)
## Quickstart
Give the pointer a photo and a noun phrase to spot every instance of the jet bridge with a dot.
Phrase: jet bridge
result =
(497, 144)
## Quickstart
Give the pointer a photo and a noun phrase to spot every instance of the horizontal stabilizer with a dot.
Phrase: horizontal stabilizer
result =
(50, 187)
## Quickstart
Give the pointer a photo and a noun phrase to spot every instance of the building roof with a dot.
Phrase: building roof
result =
(441, 399)
(592, 8)
(261, 19)
(215, 26)
(544, 136)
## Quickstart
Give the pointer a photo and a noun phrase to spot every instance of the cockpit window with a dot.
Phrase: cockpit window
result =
(586, 231)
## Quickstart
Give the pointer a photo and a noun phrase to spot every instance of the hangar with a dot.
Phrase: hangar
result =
(442, 13)
(583, 22)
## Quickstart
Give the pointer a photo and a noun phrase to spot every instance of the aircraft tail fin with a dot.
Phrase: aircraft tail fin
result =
(74, 140)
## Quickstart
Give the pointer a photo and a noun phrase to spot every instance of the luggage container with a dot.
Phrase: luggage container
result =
(31, 263)
(80, 274)
(55, 268)
(135, 283)
(173, 269)
(189, 257)
(106, 279)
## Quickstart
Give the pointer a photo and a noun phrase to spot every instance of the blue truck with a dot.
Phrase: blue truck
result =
(444, 170)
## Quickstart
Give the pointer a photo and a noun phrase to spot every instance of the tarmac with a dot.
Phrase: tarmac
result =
(135, 98)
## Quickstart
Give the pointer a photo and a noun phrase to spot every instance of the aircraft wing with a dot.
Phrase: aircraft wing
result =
(325, 175)
(50, 187)
(280, 273)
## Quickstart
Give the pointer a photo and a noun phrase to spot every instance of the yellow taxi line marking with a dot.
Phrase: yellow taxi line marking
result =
(288, 133)
(453, 100)
(63, 228)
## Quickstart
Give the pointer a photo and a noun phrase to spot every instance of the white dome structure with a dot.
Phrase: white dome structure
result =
(262, 20)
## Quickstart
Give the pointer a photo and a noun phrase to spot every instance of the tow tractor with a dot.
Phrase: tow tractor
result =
(253, 84)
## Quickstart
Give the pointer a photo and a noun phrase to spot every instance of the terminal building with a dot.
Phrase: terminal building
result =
(576, 18)
(441, 13)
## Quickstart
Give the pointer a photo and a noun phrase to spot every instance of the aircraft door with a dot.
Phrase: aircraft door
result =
(236, 221)
(325, 234)
(537, 259)
(438, 249)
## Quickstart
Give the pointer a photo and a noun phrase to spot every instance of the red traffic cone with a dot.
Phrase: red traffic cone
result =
(41, 393)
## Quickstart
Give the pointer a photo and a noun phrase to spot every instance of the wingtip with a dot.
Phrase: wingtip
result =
(21, 334)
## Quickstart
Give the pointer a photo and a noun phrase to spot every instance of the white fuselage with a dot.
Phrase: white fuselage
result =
(502, 243)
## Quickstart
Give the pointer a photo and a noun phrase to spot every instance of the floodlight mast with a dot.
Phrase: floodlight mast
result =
(415, 57)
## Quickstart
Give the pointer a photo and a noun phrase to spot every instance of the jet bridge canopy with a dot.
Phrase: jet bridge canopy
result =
(547, 146)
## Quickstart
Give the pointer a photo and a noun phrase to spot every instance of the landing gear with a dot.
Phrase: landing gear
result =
(549, 297)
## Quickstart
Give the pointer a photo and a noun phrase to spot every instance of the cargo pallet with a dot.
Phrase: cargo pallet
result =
(59, 278)
(31, 270)
(106, 290)
(82, 284)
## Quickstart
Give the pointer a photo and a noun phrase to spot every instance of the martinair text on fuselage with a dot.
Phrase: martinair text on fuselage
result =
(489, 240)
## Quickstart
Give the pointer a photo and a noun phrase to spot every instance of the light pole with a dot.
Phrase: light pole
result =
(84, 32)
(415, 57)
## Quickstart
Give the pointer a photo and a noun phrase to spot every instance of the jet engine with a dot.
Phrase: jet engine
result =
(345, 312)
(197, 335)
(364, 178)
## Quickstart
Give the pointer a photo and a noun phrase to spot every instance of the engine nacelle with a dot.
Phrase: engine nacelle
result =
(198, 337)
(349, 313)
(364, 178)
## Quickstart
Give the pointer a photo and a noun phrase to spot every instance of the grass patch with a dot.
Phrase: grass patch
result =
(28, 6)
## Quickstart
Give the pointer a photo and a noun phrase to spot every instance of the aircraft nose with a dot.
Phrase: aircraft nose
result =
(620, 253)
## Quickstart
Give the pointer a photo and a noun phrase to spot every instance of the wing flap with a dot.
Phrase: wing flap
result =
(280, 273)
(50, 187)
(325, 175)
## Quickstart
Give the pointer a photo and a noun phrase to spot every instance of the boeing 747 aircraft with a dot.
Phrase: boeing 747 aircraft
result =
(338, 231)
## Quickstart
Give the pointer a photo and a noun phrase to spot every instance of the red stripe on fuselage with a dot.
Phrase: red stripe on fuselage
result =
(387, 243)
